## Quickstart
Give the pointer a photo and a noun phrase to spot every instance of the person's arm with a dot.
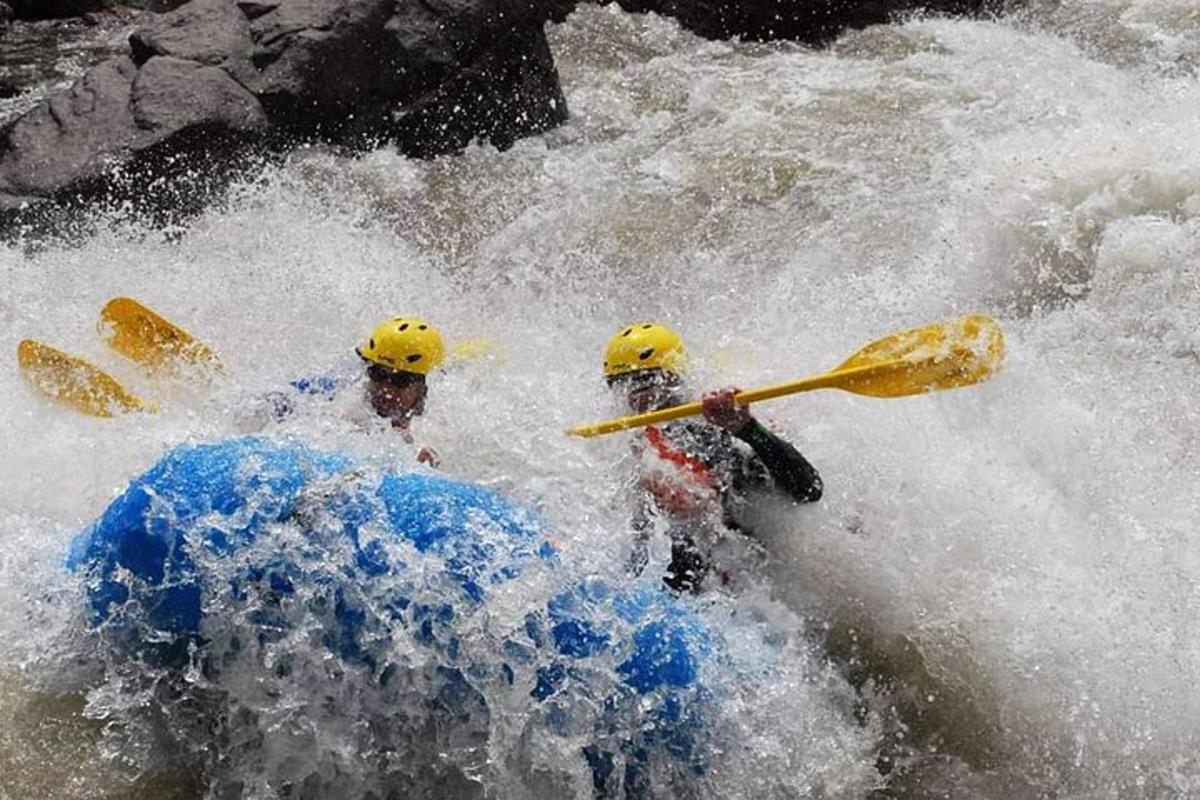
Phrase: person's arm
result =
(790, 470)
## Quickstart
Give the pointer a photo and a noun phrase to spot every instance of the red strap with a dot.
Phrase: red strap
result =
(695, 466)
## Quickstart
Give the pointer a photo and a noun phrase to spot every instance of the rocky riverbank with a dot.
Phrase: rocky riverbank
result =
(201, 87)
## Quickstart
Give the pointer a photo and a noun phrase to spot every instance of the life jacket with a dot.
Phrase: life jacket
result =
(680, 483)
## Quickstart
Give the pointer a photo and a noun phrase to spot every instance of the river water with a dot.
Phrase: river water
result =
(1014, 566)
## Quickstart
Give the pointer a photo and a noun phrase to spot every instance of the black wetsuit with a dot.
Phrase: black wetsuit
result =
(721, 473)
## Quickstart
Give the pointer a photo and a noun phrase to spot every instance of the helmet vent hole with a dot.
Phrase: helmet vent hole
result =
(649, 351)
(422, 327)
(627, 331)
(414, 358)
(647, 327)
(403, 327)
(371, 344)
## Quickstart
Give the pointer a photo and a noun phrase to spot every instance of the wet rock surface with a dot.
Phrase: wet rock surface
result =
(51, 9)
(216, 79)
(265, 74)
(810, 21)
(60, 9)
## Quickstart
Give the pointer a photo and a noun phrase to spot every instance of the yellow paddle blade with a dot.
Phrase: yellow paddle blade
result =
(73, 381)
(143, 336)
(946, 355)
(473, 349)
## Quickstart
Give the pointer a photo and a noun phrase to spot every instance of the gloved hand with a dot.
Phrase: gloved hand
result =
(281, 406)
(721, 409)
(427, 455)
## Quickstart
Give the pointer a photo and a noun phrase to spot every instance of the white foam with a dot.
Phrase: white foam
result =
(781, 207)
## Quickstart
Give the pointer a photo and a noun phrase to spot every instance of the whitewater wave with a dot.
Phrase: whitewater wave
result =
(1017, 556)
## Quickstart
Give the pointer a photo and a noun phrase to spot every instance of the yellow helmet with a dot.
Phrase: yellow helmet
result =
(404, 344)
(646, 345)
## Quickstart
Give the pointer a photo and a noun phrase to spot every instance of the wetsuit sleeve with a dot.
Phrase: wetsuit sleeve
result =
(791, 471)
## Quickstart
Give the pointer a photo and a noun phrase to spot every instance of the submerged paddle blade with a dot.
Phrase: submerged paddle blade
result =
(71, 380)
(143, 336)
(474, 350)
(947, 355)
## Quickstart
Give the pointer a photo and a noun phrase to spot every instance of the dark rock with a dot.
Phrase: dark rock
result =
(430, 75)
(170, 94)
(512, 82)
(810, 21)
(217, 78)
(243, 76)
(70, 137)
(316, 61)
(207, 31)
(160, 6)
(37, 55)
(256, 8)
(60, 9)
(52, 9)
(118, 114)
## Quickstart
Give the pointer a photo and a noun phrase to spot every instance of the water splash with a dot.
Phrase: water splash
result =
(1027, 539)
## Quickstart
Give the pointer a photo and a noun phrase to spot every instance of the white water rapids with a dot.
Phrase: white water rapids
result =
(1022, 554)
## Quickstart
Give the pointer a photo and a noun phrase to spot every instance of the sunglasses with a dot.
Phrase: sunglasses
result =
(644, 379)
(393, 377)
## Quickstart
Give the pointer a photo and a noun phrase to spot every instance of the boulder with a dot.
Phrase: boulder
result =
(57, 9)
(210, 32)
(430, 75)
(113, 113)
(809, 21)
(172, 94)
(215, 79)
(514, 97)
(52, 9)
(71, 136)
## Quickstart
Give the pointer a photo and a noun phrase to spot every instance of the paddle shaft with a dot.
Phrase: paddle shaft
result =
(836, 379)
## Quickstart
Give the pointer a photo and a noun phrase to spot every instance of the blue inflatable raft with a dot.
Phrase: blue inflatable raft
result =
(251, 552)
